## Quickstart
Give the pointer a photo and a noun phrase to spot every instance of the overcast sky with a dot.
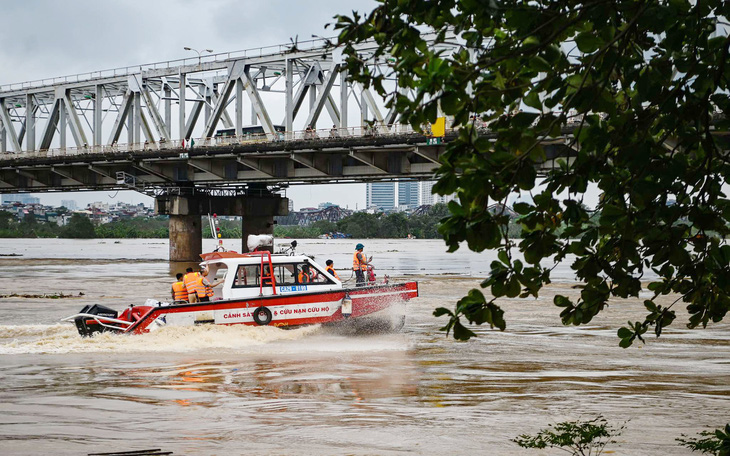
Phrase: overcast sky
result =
(47, 38)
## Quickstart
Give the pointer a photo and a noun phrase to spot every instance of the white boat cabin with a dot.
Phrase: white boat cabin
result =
(241, 277)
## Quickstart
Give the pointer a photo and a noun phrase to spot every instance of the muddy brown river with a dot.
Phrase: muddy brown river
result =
(267, 391)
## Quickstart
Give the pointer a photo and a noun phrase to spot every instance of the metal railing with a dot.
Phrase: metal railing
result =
(263, 51)
(323, 135)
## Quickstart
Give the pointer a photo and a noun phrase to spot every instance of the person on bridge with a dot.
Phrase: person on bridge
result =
(179, 292)
(191, 284)
(331, 269)
(359, 265)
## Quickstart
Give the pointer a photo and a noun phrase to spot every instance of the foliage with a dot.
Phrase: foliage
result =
(297, 232)
(229, 229)
(576, 437)
(78, 227)
(6, 220)
(715, 442)
(133, 228)
(640, 86)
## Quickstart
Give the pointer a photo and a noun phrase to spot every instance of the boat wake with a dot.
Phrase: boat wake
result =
(63, 338)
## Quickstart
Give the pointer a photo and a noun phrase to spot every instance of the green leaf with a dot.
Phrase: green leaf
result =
(532, 99)
(588, 42)
(461, 332)
(440, 311)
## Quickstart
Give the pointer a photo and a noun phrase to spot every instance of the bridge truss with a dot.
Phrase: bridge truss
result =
(210, 122)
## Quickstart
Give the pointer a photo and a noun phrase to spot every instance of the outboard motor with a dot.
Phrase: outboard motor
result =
(87, 326)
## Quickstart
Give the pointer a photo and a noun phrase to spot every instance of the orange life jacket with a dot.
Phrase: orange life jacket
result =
(191, 282)
(304, 277)
(179, 292)
(204, 288)
(332, 271)
(359, 264)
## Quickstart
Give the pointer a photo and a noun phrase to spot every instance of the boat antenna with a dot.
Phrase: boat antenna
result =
(215, 230)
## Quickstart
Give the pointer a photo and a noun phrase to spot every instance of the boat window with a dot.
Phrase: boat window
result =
(246, 276)
(309, 275)
(286, 274)
(220, 273)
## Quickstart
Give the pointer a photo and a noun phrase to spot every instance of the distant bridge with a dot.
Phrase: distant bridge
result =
(330, 214)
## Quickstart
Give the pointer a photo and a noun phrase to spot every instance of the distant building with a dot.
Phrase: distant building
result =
(408, 195)
(23, 198)
(380, 195)
(426, 195)
(69, 204)
(326, 205)
(99, 206)
(291, 205)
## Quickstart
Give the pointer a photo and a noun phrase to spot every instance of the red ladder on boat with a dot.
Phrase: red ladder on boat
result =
(263, 276)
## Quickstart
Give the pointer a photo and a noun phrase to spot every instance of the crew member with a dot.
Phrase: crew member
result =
(331, 269)
(304, 275)
(179, 292)
(359, 265)
(205, 287)
(191, 284)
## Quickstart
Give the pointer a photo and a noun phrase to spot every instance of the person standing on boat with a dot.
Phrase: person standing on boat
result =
(331, 269)
(191, 284)
(205, 287)
(359, 265)
(179, 292)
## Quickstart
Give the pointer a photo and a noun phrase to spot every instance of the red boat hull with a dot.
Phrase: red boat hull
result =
(279, 310)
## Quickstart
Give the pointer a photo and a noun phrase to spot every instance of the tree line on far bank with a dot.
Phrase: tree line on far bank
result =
(360, 225)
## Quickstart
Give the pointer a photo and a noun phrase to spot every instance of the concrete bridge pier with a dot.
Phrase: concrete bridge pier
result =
(186, 238)
(255, 225)
(185, 224)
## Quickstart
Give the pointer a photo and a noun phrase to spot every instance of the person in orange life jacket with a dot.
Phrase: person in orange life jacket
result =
(305, 275)
(331, 269)
(359, 265)
(179, 292)
(266, 277)
(205, 287)
(191, 284)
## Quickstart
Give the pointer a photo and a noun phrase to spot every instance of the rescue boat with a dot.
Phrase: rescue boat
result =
(260, 288)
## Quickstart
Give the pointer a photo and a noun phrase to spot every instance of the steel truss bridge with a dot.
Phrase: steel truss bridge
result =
(214, 123)
(330, 214)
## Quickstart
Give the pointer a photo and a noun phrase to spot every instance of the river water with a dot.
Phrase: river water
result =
(245, 390)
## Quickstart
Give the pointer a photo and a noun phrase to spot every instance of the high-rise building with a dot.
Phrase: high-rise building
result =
(408, 193)
(380, 195)
(23, 198)
(426, 196)
(69, 204)
(430, 198)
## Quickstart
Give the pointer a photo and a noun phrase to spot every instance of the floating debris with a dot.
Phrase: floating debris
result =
(10, 254)
(41, 296)
(155, 451)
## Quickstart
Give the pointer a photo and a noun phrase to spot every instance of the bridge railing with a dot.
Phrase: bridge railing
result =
(263, 51)
(319, 135)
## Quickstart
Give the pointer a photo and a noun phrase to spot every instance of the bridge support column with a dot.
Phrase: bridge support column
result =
(255, 225)
(186, 238)
(257, 211)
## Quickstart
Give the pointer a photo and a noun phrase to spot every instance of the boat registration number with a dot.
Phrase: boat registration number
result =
(290, 288)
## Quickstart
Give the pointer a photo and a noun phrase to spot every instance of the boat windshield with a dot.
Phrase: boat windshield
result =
(285, 274)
